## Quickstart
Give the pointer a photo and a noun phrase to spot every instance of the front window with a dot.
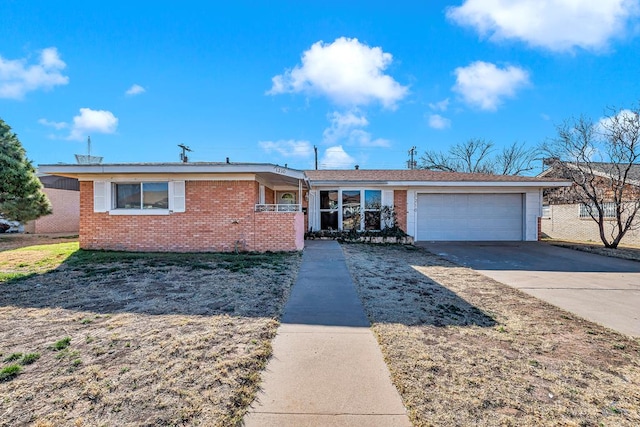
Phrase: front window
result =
(372, 206)
(144, 195)
(329, 210)
(350, 209)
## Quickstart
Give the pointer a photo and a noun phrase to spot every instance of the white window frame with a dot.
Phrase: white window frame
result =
(104, 198)
(386, 198)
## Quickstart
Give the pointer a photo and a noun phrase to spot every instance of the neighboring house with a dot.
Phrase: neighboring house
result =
(565, 217)
(263, 207)
(64, 195)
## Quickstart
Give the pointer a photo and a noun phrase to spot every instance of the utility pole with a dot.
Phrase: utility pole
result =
(183, 155)
(315, 149)
(412, 164)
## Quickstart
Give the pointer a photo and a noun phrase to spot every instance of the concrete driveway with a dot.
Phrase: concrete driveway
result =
(601, 289)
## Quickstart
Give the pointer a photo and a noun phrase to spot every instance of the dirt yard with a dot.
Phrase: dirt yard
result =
(135, 339)
(466, 350)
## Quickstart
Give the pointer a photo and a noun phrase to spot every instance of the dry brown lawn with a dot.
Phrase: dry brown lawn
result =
(154, 339)
(466, 350)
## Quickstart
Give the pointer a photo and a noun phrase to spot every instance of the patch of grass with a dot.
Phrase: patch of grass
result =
(61, 344)
(9, 372)
(9, 277)
(12, 357)
(22, 263)
(29, 358)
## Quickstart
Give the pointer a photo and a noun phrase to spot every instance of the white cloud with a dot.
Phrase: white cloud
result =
(440, 106)
(364, 139)
(346, 71)
(288, 148)
(484, 85)
(436, 121)
(623, 119)
(52, 124)
(17, 77)
(557, 25)
(337, 158)
(348, 127)
(92, 121)
(135, 90)
(342, 124)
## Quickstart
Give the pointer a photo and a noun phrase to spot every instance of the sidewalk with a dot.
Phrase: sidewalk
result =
(327, 368)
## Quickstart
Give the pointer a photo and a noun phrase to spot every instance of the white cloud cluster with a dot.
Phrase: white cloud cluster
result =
(346, 71)
(92, 121)
(484, 85)
(336, 158)
(349, 127)
(623, 117)
(557, 25)
(17, 77)
(87, 122)
(52, 124)
(135, 89)
(436, 121)
(288, 148)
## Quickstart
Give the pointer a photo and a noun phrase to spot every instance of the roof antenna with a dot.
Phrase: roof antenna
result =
(88, 159)
(183, 155)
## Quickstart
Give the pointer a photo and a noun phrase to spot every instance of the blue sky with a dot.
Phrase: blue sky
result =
(268, 81)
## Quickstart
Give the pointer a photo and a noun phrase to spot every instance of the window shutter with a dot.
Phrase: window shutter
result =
(100, 200)
(178, 196)
(387, 198)
(262, 195)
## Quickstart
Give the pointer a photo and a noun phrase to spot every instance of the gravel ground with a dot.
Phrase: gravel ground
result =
(466, 350)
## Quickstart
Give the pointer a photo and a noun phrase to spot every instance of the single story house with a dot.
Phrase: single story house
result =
(64, 195)
(565, 217)
(187, 207)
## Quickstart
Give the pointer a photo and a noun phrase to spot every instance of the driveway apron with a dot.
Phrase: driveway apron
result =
(327, 368)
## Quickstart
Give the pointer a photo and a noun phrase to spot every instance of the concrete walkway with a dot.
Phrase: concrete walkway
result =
(327, 368)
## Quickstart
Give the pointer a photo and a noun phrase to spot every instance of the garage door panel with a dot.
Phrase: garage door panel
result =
(469, 217)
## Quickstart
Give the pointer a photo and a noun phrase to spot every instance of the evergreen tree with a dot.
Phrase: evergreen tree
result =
(21, 195)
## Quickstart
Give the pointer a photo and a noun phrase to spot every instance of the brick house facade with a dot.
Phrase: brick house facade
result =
(565, 218)
(64, 195)
(226, 207)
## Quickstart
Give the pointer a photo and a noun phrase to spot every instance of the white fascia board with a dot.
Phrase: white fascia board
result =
(419, 184)
(138, 177)
(535, 184)
(173, 169)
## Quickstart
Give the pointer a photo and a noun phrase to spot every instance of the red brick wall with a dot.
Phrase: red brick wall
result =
(219, 217)
(269, 196)
(400, 204)
(66, 213)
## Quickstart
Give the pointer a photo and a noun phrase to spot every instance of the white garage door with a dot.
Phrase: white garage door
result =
(469, 217)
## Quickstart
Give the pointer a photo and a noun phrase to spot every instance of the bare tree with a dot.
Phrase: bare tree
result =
(601, 161)
(515, 159)
(476, 156)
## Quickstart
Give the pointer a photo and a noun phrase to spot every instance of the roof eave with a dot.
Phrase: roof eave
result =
(73, 170)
